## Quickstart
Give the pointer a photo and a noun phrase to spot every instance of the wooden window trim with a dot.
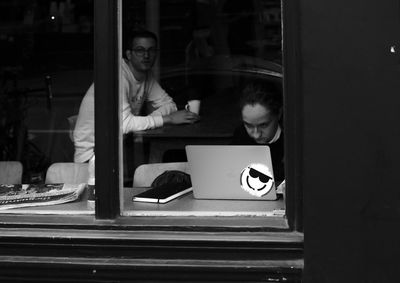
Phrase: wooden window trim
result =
(107, 142)
(108, 137)
(90, 248)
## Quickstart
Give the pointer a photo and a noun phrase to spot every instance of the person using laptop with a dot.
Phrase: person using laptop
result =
(139, 88)
(261, 112)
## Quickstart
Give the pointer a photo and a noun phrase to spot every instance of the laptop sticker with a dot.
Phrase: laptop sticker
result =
(256, 179)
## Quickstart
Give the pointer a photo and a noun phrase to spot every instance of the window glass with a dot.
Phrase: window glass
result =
(209, 51)
(46, 67)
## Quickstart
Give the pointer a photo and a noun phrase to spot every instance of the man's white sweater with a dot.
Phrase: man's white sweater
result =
(133, 95)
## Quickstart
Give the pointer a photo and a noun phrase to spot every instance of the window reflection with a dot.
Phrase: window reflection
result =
(208, 52)
(46, 66)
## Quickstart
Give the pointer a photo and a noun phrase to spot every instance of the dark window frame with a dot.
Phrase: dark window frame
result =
(107, 206)
(109, 247)
(107, 147)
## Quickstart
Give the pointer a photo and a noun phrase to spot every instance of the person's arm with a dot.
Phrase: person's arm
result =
(133, 123)
(165, 112)
(166, 107)
(159, 100)
(84, 128)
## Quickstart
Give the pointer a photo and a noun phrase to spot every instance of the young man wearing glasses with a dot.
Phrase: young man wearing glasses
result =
(139, 88)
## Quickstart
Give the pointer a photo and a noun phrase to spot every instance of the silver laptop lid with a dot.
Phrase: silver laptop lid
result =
(231, 172)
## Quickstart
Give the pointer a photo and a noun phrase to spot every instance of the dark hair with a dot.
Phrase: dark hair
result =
(267, 94)
(131, 34)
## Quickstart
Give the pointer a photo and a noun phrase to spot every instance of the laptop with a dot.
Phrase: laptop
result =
(231, 172)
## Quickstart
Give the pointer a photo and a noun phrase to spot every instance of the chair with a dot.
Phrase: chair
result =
(67, 172)
(146, 173)
(11, 172)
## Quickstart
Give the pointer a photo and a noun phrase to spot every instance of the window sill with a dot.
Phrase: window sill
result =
(155, 270)
(187, 205)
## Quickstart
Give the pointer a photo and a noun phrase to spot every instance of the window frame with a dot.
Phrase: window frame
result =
(107, 38)
(108, 139)
(292, 112)
(107, 133)
(108, 246)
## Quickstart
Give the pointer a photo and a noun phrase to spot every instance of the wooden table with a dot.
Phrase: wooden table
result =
(216, 126)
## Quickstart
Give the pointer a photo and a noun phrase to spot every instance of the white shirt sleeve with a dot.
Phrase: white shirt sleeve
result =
(84, 128)
(158, 99)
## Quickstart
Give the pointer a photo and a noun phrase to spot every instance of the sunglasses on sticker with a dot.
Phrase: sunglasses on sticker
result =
(257, 174)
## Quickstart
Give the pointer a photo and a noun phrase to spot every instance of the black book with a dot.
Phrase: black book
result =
(162, 194)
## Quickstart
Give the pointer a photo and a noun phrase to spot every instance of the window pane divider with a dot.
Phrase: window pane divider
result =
(106, 78)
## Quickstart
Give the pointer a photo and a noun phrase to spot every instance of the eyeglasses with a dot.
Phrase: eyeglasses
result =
(140, 51)
(257, 174)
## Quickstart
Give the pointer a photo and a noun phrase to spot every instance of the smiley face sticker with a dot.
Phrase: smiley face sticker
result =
(256, 179)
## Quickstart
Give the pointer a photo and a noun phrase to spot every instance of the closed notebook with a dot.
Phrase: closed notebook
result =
(162, 194)
(236, 172)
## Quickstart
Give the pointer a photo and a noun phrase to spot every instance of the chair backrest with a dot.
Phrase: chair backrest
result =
(67, 172)
(146, 173)
(11, 172)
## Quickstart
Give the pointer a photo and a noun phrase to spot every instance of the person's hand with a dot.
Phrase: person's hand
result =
(181, 117)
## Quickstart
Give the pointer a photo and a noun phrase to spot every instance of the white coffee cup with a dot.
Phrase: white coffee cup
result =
(193, 106)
